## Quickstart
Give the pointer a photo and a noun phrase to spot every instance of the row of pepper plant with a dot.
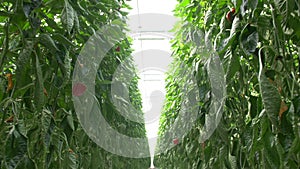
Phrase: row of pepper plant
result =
(40, 42)
(257, 42)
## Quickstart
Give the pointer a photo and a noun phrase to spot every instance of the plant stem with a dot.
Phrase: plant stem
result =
(6, 43)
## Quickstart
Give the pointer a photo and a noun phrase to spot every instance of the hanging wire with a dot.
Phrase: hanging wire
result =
(139, 22)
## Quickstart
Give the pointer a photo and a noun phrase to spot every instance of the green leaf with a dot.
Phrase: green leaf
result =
(208, 18)
(234, 66)
(66, 67)
(76, 20)
(295, 147)
(95, 161)
(51, 22)
(45, 126)
(286, 8)
(68, 16)
(270, 151)
(235, 28)
(16, 151)
(62, 39)
(22, 73)
(2, 88)
(105, 82)
(281, 153)
(39, 86)
(71, 122)
(252, 4)
(27, 8)
(46, 40)
(70, 160)
(226, 44)
(6, 14)
(248, 5)
(250, 43)
(270, 97)
(237, 3)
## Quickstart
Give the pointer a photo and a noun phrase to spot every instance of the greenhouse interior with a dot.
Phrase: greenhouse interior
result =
(150, 84)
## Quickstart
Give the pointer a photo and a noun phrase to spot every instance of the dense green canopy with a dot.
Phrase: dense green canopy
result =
(257, 42)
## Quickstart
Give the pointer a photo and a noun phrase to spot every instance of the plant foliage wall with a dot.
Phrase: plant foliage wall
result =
(257, 42)
(40, 42)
